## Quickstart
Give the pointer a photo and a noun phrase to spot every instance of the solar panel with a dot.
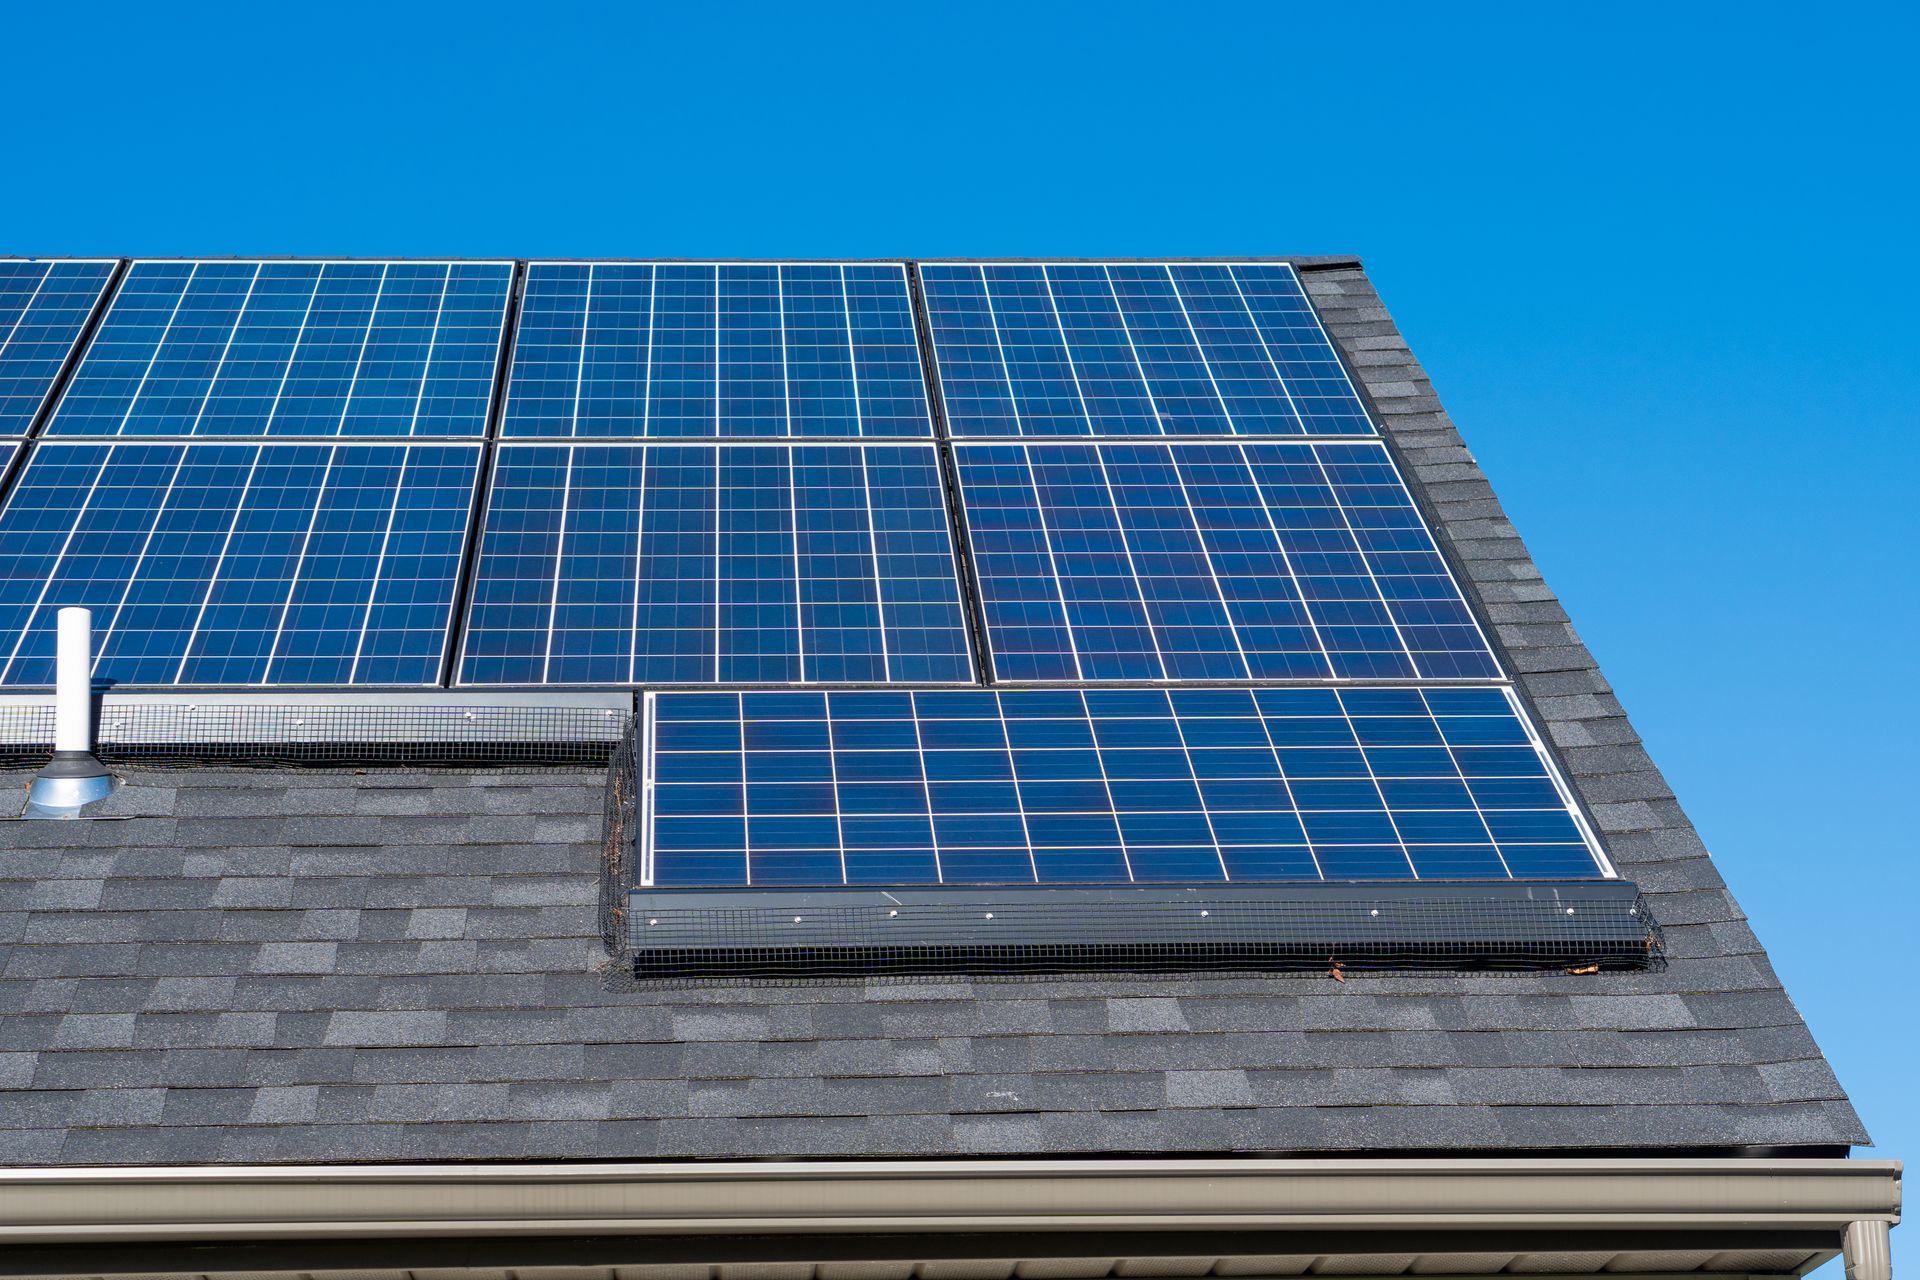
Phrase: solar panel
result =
(670, 349)
(237, 564)
(1101, 787)
(728, 564)
(1191, 561)
(1129, 349)
(293, 349)
(44, 305)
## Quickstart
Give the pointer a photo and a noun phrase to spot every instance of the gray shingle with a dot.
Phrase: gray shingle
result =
(542, 1100)
(1146, 1013)
(93, 1031)
(412, 1026)
(48, 895)
(436, 922)
(285, 1104)
(294, 957)
(1208, 1089)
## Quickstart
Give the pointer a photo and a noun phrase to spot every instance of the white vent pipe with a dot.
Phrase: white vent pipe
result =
(73, 683)
(74, 778)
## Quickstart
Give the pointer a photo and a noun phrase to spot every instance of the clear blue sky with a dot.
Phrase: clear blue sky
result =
(1661, 263)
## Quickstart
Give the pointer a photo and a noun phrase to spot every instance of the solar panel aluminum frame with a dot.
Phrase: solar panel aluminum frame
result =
(908, 291)
(964, 531)
(99, 322)
(640, 861)
(1292, 265)
(476, 548)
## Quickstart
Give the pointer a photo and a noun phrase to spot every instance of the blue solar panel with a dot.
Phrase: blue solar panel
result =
(1128, 349)
(1101, 787)
(663, 349)
(293, 349)
(229, 564)
(44, 305)
(1194, 561)
(703, 564)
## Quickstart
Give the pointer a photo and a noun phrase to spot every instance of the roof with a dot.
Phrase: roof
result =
(278, 966)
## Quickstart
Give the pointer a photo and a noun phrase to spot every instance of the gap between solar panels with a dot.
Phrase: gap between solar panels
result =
(796, 834)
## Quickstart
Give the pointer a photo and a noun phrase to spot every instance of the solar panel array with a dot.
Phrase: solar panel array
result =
(1101, 787)
(1147, 492)
(44, 307)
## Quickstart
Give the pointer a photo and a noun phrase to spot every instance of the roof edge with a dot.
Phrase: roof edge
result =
(1731, 1197)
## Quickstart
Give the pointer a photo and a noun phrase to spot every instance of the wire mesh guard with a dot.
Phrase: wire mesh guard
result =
(320, 736)
(1165, 929)
(619, 832)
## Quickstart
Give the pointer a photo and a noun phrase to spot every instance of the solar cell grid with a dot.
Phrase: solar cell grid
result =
(704, 564)
(1191, 561)
(44, 306)
(242, 348)
(237, 564)
(667, 349)
(1130, 349)
(1101, 787)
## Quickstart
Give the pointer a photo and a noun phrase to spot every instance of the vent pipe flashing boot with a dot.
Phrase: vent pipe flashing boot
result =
(74, 778)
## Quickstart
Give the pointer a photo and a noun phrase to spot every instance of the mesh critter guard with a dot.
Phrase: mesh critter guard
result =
(322, 736)
(617, 842)
(1173, 928)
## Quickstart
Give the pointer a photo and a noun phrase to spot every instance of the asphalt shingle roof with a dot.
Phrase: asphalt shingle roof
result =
(278, 966)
